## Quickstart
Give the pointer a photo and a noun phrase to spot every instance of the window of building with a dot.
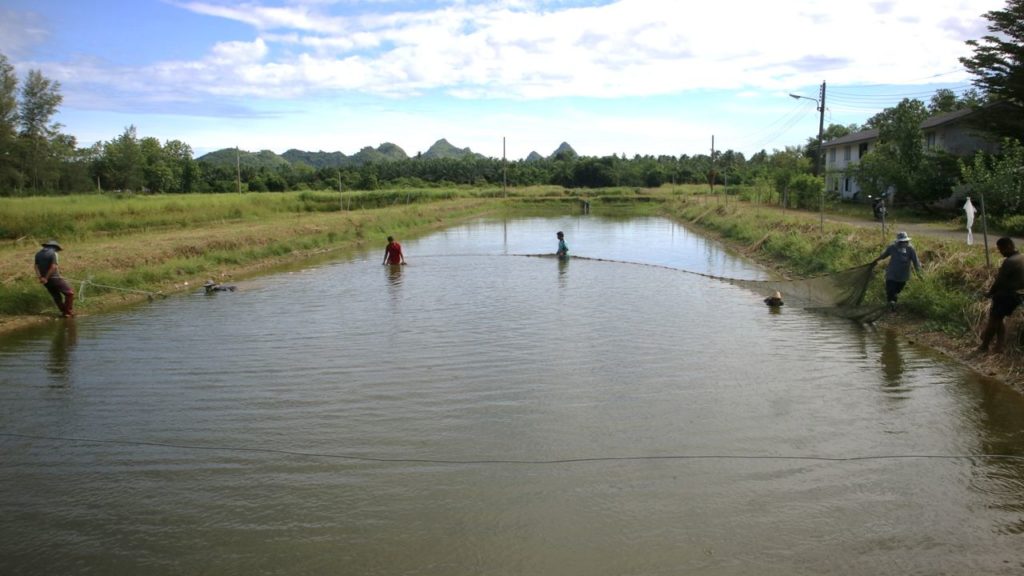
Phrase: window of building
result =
(846, 153)
(832, 156)
(862, 150)
(929, 140)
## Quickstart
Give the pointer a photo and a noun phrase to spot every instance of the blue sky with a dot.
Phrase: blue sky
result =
(608, 77)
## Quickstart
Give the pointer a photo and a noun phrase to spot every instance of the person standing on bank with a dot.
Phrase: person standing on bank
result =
(393, 253)
(563, 250)
(1004, 294)
(49, 276)
(901, 256)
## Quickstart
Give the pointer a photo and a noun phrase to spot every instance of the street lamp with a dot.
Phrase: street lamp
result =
(820, 156)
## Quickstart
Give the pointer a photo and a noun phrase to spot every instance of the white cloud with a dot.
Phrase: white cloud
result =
(527, 52)
(20, 31)
(630, 47)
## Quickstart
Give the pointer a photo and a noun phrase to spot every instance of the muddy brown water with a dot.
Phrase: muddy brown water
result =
(483, 412)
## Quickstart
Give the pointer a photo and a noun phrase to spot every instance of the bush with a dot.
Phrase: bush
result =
(1012, 225)
(805, 191)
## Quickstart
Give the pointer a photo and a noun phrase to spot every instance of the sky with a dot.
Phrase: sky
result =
(646, 77)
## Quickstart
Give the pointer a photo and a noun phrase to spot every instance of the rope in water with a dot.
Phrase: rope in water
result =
(557, 461)
(83, 283)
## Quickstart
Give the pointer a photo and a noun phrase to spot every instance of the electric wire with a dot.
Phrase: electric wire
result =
(510, 461)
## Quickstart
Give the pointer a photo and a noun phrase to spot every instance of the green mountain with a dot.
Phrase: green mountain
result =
(317, 160)
(442, 149)
(386, 152)
(564, 151)
(234, 156)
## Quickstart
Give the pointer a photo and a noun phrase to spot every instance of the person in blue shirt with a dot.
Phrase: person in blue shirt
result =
(563, 250)
(901, 257)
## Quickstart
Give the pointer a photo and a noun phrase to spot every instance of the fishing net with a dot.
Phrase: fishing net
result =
(837, 294)
(845, 288)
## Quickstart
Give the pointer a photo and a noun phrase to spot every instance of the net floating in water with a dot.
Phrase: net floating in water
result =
(839, 293)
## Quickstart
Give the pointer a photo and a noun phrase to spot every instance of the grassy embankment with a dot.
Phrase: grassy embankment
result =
(944, 309)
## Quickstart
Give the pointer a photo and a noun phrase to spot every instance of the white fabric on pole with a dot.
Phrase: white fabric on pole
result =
(969, 209)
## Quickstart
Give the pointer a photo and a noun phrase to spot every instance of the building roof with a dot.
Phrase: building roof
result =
(940, 119)
(872, 134)
(862, 136)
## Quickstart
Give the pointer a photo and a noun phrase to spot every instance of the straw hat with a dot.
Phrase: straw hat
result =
(52, 244)
(902, 237)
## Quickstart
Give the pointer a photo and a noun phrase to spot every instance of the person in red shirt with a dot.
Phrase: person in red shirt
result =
(393, 253)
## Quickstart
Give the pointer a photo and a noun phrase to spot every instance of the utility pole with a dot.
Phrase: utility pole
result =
(819, 157)
(238, 170)
(711, 176)
(504, 170)
(819, 160)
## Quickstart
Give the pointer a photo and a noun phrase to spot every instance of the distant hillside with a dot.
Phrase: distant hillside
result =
(231, 156)
(442, 149)
(564, 151)
(317, 160)
(386, 152)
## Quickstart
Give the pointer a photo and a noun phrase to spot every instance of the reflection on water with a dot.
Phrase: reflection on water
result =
(65, 337)
(892, 359)
(663, 424)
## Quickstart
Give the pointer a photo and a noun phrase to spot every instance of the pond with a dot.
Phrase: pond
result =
(481, 411)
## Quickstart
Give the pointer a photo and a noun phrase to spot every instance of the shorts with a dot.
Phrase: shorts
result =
(1003, 304)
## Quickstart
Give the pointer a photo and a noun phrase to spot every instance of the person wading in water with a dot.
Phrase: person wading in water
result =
(393, 252)
(563, 250)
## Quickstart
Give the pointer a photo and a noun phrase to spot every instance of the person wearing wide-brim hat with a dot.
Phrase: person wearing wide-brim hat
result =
(901, 256)
(49, 276)
(775, 300)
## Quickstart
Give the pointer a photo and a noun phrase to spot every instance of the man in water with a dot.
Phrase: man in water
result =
(1004, 294)
(897, 273)
(775, 300)
(393, 253)
(563, 250)
(49, 276)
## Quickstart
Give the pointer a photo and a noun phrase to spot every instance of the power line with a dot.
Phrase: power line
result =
(781, 125)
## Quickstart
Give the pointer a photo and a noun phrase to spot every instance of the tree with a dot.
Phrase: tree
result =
(10, 176)
(899, 155)
(40, 98)
(998, 178)
(178, 156)
(783, 168)
(945, 100)
(998, 65)
(123, 162)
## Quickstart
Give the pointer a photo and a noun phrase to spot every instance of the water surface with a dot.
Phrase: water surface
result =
(483, 412)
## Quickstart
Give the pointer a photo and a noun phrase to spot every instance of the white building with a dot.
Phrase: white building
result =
(951, 132)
